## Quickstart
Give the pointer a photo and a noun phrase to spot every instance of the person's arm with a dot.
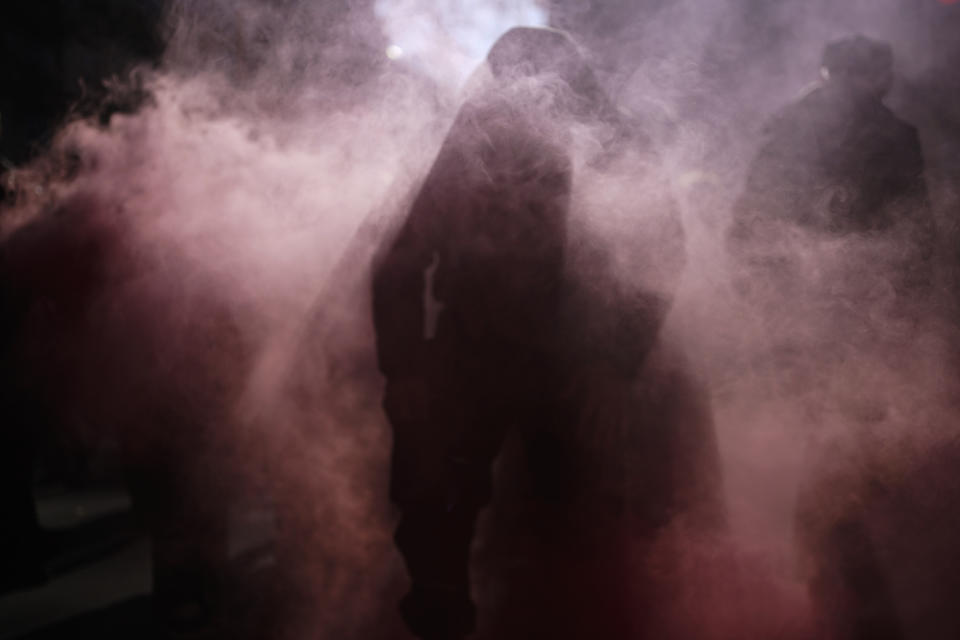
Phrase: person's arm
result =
(399, 286)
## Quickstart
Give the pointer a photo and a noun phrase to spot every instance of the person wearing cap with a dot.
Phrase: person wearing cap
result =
(832, 245)
(839, 161)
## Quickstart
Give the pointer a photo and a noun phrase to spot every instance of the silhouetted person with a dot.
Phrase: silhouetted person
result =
(48, 274)
(839, 162)
(492, 216)
(53, 59)
(493, 318)
(102, 346)
(832, 242)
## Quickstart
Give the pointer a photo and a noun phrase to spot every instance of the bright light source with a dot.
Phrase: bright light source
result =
(447, 39)
(394, 52)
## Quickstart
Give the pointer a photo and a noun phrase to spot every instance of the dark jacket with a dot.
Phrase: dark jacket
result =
(491, 217)
(834, 164)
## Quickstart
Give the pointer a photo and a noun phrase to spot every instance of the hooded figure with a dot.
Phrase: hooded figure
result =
(484, 245)
(492, 307)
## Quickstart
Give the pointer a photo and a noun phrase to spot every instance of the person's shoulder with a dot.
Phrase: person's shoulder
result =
(898, 128)
(792, 117)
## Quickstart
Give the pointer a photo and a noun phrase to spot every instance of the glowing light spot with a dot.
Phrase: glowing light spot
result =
(447, 39)
(394, 52)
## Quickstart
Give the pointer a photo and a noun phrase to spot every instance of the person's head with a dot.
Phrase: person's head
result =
(860, 65)
(531, 51)
(527, 52)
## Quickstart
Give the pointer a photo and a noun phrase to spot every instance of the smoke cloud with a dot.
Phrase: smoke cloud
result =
(241, 206)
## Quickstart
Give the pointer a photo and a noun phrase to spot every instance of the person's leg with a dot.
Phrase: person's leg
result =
(441, 479)
(845, 579)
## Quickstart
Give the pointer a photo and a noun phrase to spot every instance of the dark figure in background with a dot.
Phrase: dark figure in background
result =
(838, 161)
(483, 330)
(52, 64)
(832, 243)
(77, 300)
